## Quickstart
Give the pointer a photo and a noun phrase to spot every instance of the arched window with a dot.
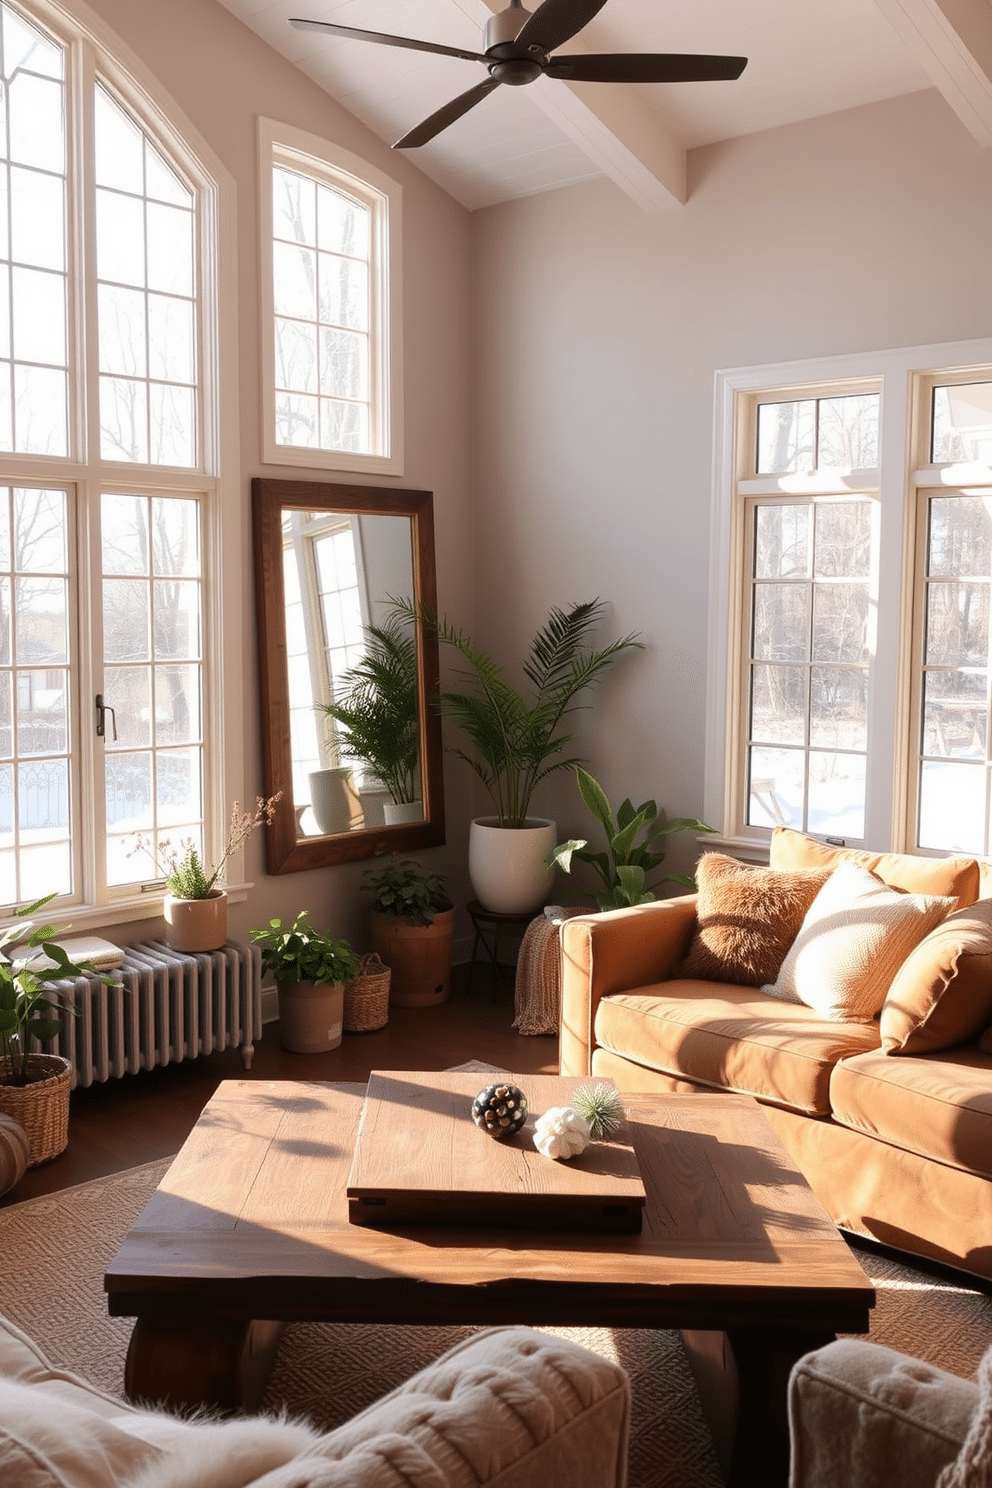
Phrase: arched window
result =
(109, 478)
(330, 250)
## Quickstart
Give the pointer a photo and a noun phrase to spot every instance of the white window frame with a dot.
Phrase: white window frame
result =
(899, 374)
(95, 51)
(296, 149)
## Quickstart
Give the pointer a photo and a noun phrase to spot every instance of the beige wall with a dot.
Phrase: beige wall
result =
(222, 76)
(598, 331)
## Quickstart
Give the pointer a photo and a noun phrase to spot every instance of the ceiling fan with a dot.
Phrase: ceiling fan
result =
(516, 50)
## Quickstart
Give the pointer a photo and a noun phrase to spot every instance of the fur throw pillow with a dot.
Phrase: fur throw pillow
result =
(747, 919)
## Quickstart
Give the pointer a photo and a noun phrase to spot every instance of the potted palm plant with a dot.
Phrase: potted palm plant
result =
(413, 931)
(377, 718)
(34, 1087)
(195, 905)
(627, 862)
(516, 738)
(310, 968)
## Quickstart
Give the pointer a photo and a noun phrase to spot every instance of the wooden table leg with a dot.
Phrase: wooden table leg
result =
(215, 1361)
(742, 1377)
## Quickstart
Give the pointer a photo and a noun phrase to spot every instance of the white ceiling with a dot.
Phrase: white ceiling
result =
(804, 59)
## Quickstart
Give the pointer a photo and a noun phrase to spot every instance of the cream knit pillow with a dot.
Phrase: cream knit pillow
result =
(856, 935)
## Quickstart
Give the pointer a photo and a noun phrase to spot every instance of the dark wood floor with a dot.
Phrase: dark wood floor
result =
(138, 1118)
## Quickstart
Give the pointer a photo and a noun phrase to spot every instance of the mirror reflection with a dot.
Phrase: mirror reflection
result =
(345, 670)
(352, 660)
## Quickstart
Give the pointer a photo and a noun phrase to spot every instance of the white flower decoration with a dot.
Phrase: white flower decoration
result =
(561, 1132)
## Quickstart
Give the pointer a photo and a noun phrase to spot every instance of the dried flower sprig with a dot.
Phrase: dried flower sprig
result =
(182, 868)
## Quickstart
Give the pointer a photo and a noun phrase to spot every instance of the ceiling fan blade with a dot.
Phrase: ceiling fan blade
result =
(647, 67)
(556, 21)
(386, 40)
(445, 116)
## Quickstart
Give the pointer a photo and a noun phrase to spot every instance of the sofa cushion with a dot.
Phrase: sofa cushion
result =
(956, 878)
(856, 935)
(942, 994)
(733, 1038)
(938, 1105)
(746, 919)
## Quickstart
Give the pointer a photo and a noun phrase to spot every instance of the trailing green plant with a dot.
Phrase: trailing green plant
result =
(29, 1004)
(377, 713)
(182, 868)
(627, 862)
(517, 738)
(402, 890)
(301, 953)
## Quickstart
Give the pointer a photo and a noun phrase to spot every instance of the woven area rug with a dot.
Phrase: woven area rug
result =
(55, 1251)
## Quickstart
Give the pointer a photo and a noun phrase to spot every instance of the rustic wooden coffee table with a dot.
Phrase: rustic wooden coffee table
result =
(249, 1229)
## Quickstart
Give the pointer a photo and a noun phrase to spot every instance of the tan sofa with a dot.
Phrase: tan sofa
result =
(889, 1118)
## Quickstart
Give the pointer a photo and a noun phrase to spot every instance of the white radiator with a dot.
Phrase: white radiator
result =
(169, 1006)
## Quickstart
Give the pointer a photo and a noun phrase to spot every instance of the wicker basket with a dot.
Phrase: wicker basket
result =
(366, 997)
(42, 1107)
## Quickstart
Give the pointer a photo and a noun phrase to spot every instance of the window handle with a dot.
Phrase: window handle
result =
(102, 709)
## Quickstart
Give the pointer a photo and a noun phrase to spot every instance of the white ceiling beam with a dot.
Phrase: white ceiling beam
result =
(611, 126)
(952, 40)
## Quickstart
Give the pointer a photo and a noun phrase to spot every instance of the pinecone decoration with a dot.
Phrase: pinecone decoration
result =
(500, 1110)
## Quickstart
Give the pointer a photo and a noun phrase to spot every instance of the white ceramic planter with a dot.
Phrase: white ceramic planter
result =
(396, 812)
(506, 864)
(333, 799)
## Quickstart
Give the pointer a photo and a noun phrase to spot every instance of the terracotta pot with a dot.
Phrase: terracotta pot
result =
(311, 1016)
(506, 864)
(197, 924)
(419, 958)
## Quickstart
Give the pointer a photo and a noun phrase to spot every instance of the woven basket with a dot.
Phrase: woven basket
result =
(366, 997)
(42, 1107)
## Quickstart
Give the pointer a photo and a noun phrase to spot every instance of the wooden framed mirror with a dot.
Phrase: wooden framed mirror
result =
(331, 561)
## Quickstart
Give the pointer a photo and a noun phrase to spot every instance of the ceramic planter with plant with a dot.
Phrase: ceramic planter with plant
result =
(516, 738)
(195, 905)
(34, 1087)
(625, 865)
(376, 716)
(310, 968)
(413, 930)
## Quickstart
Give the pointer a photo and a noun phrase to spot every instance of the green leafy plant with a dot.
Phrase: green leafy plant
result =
(300, 953)
(517, 738)
(377, 713)
(182, 868)
(602, 1107)
(402, 890)
(29, 1004)
(625, 866)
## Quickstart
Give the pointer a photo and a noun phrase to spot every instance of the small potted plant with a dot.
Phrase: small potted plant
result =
(413, 930)
(310, 968)
(195, 908)
(377, 716)
(34, 1087)
(625, 865)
